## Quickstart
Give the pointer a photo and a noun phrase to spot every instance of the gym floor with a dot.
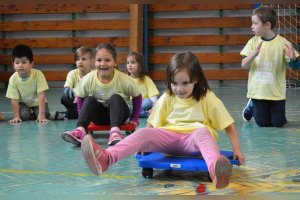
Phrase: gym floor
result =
(36, 161)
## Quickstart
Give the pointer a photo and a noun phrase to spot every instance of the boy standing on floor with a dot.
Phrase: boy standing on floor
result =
(266, 55)
(26, 88)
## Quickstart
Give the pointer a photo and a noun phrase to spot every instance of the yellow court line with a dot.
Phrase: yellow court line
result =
(18, 171)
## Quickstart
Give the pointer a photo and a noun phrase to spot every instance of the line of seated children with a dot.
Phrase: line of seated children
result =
(104, 97)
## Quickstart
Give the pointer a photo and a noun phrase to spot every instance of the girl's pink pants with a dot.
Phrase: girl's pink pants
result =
(199, 142)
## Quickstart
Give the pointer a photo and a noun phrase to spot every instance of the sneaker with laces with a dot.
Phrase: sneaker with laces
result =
(58, 115)
(248, 111)
(114, 137)
(222, 172)
(74, 136)
(95, 156)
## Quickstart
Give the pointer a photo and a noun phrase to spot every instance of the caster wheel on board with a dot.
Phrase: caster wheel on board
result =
(129, 132)
(147, 172)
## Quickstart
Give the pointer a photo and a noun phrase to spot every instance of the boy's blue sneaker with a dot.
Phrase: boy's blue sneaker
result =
(144, 114)
(248, 111)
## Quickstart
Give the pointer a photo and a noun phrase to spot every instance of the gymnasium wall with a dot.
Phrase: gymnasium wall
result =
(215, 33)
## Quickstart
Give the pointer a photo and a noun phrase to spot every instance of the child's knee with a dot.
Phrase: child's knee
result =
(263, 121)
(147, 104)
(273, 123)
(26, 115)
(64, 100)
(279, 123)
(115, 97)
(201, 132)
(89, 99)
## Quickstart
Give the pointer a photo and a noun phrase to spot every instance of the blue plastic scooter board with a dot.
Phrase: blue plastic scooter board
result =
(148, 161)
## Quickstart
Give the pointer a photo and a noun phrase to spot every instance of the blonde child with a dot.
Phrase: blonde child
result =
(183, 122)
(266, 55)
(104, 98)
(84, 57)
(26, 88)
(136, 69)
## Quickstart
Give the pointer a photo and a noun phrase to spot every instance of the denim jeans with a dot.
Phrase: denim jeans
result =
(146, 105)
(31, 113)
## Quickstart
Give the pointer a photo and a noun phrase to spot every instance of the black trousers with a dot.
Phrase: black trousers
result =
(93, 111)
(71, 107)
(269, 113)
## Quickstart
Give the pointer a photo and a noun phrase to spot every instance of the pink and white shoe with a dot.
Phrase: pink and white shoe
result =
(114, 137)
(74, 136)
(222, 172)
(95, 156)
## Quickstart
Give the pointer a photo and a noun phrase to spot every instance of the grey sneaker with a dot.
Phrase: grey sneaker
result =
(58, 116)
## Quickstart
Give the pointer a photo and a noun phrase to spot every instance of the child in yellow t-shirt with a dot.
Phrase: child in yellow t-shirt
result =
(183, 122)
(84, 57)
(137, 70)
(266, 55)
(26, 88)
(104, 96)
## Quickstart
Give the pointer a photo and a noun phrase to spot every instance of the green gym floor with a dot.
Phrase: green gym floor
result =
(35, 161)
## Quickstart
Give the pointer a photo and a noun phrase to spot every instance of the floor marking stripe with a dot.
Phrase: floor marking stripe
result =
(17, 171)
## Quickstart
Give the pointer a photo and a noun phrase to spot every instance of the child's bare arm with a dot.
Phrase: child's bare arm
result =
(233, 137)
(2, 117)
(16, 111)
(247, 60)
(42, 101)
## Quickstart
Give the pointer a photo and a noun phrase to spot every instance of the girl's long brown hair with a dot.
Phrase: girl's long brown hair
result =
(142, 71)
(189, 62)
